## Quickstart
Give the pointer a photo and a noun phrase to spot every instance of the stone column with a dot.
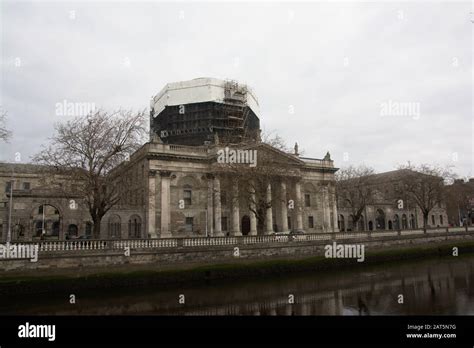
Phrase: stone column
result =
(334, 209)
(151, 227)
(210, 209)
(235, 209)
(327, 215)
(165, 204)
(299, 207)
(217, 208)
(269, 212)
(253, 217)
(284, 211)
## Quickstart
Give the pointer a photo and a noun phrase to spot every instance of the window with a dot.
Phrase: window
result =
(310, 222)
(224, 223)
(441, 219)
(8, 186)
(307, 200)
(187, 197)
(189, 224)
(40, 209)
(223, 198)
(433, 220)
(26, 186)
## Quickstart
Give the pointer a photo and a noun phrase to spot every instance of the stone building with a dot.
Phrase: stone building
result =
(460, 202)
(384, 212)
(39, 203)
(175, 186)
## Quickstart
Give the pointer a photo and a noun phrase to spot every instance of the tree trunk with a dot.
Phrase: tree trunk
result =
(96, 233)
(425, 221)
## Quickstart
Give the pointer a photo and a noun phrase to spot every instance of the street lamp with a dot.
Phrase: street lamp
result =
(9, 234)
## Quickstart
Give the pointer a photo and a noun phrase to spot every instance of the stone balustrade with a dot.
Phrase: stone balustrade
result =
(84, 245)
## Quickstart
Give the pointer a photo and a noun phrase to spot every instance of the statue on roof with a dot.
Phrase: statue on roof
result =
(327, 157)
(296, 149)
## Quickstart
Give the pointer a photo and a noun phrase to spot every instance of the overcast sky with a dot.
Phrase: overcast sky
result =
(324, 73)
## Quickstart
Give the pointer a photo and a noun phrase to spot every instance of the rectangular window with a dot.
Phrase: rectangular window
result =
(432, 220)
(187, 197)
(310, 222)
(26, 186)
(189, 224)
(8, 186)
(307, 200)
(224, 223)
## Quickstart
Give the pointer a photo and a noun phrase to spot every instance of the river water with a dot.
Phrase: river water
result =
(436, 286)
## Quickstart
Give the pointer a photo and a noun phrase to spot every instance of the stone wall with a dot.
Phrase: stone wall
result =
(217, 254)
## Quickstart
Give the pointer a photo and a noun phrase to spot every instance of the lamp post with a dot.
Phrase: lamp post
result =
(9, 234)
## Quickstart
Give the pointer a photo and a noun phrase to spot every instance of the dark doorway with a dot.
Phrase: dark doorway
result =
(245, 225)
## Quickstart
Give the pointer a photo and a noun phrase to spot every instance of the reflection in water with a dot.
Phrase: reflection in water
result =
(442, 286)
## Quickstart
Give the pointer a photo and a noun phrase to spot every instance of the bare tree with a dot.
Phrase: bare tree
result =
(424, 185)
(5, 134)
(253, 181)
(354, 190)
(87, 149)
(458, 201)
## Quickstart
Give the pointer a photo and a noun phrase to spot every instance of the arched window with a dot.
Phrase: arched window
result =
(187, 195)
(371, 225)
(72, 230)
(441, 219)
(341, 224)
(114, 227)
(134, 227)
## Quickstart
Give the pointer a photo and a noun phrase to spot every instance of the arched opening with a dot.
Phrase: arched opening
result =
(350, 223)
(390, 225)
(245, 226)
(340, 223)
(114, 229)
(46, 221)
(412, 221)
(404, 222)
(371, 226)
(134, 227)
(72, 231)
(380, 220)
(396, 222)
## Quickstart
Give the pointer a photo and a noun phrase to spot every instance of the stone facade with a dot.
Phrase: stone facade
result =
(182, 194)
(386, 214)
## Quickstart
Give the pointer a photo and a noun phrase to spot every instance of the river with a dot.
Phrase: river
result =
(435, 286)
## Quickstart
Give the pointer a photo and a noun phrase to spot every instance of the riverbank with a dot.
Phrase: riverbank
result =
(183, 275)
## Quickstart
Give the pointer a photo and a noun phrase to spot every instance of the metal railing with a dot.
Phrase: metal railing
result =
(191, 242)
